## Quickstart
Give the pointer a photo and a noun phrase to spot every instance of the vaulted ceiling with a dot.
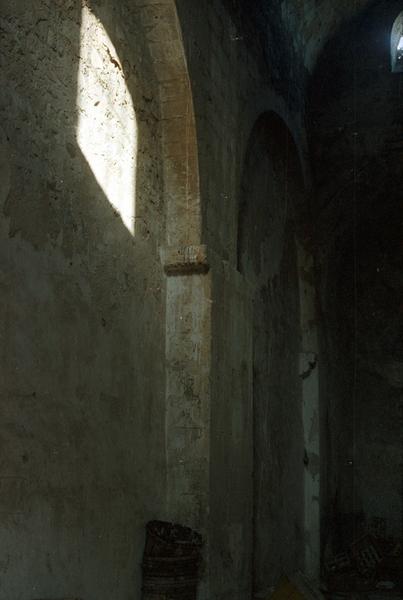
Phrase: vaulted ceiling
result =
(314, 22)
(307, 23)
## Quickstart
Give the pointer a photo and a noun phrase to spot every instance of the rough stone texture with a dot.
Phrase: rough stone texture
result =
(174, 373)
(82, 420)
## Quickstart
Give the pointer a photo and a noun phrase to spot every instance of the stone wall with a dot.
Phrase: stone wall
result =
(356, 129)
(159, 345)
(256, 527)
(82, 378)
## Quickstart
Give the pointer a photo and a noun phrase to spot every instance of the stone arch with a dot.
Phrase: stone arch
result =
(178, 129)
(271, 143)
(164, 72)
(178, 136)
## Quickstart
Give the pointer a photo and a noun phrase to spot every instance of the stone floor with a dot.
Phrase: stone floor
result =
(376, 595)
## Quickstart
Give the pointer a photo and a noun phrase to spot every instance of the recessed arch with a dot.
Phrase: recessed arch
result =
(272, 173)
(274, 258)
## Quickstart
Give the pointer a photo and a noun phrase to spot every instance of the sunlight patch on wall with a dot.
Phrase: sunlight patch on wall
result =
(107, 128)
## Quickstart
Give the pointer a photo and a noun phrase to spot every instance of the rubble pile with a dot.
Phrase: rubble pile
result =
(373, 562)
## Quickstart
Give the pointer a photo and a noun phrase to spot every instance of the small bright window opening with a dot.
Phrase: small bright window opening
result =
(397, 45)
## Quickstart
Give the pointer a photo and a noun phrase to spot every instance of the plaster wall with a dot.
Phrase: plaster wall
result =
(134, 395)
(82, 421)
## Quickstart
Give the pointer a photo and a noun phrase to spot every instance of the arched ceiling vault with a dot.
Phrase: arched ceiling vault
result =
(309, 24)
(314, 22)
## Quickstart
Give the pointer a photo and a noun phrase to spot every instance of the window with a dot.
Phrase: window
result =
(397, 45)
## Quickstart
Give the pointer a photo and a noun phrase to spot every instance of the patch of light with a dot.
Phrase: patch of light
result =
(400, 44)
(107, 127)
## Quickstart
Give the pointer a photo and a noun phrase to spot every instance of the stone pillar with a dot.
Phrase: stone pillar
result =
(209, 416)
(188, 394)
(231, 434)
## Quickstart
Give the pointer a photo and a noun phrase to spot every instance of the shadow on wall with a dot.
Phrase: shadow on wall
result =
(82, 383)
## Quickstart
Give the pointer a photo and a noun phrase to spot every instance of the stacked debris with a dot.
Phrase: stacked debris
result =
(372, 562)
